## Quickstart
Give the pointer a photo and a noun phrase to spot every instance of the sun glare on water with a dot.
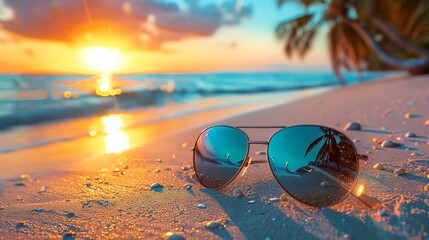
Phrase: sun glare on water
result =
(116, 139)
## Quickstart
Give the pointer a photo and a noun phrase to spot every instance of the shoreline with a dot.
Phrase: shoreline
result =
(45, 139)
(117, 187)
(42, 100)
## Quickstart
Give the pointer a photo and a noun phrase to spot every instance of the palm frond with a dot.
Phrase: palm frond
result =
(313, 144)
(348, 50)
(334, 52)
(284, 28)
(415, 19)
(307, 40)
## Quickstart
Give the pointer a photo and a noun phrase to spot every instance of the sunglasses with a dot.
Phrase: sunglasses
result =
(316, 165)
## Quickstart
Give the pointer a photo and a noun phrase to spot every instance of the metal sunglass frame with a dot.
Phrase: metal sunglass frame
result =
(367, 200)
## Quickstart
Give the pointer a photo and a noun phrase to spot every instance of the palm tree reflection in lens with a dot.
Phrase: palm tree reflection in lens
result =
(316, 165)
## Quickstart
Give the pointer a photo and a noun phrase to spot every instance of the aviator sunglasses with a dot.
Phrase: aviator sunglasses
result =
(316, 165)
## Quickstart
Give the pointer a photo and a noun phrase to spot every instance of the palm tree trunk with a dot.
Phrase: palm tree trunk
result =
(408, 64)
(398, 39)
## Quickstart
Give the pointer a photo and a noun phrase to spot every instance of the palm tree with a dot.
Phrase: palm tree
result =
(359, 29)
(329, 152)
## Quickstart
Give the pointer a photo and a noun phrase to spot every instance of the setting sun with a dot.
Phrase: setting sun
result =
(105, 61)
(101, 59)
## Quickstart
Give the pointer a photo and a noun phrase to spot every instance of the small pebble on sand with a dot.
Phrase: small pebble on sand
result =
(416, 154)
(378, 166)
(356, 140)
(237, 193)
(376, 140)
(387, 143)
(201, 206)
(187, 186)
(400, 172)
(88, 185)
(155, 185)
(185, 168)
(352, 126)
(20, 225)
(39, 210)
(173, 236)
(69, 235)
(410, 135)
(20, 184)
(410, 115)
(184, 145)
(70, 214)
(116, 170)
(426, 188)
(252, 201)
(157, 170)
(274, 199)
(213, 224)
(158, 160)
(24, 176)
(427, 122)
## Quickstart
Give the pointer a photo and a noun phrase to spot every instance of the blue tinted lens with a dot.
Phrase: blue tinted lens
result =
(219, 154)
(314, 164)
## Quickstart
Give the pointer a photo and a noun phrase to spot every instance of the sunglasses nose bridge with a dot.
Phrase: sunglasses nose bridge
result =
(258, 142)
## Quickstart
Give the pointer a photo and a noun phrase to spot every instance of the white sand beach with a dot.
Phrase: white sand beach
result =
(72, 188)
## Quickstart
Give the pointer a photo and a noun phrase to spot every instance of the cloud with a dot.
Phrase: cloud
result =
(6, 13)
(145, 24)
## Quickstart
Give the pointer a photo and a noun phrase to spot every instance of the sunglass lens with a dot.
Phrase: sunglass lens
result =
(219, 154)
(314, 164)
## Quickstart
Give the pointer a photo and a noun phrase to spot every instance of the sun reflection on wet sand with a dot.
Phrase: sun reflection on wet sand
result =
(116, 139)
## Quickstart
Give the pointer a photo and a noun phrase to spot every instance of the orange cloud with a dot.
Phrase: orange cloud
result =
(134, 24)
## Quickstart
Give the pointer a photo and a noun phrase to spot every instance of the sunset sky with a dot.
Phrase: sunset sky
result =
(59, 36)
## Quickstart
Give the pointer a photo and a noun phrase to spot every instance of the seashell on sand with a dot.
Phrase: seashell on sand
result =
(400, 172)
(378, 166)
(155, 185)
(387, 143)
(213, 224)
(410, 135)
(237, 193)
(352, 126)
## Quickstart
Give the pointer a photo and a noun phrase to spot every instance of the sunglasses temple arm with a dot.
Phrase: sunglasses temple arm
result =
(362, 157)
(365, 199)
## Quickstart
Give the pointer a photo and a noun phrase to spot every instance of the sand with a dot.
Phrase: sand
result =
(75, 192)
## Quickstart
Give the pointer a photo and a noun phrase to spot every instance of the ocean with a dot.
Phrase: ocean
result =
(36, 99)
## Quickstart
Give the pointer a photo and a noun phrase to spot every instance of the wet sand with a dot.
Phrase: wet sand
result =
(74, 192)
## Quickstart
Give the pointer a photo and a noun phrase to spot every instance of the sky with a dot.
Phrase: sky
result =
(148, 36)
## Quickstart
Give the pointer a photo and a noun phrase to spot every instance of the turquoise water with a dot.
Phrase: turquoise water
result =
(32, 99)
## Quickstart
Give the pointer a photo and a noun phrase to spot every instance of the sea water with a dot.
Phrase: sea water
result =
(33, 99)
